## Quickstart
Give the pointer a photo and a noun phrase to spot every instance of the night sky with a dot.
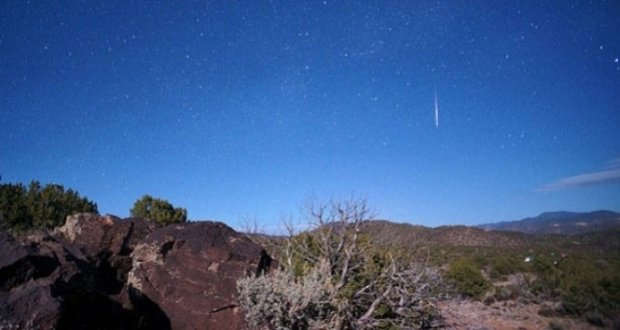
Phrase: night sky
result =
(246, 110)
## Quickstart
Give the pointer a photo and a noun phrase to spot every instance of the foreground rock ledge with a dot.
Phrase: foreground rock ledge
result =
(190, 272)
(106, 273)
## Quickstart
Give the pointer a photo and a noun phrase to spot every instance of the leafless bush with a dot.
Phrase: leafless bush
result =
(332, 277)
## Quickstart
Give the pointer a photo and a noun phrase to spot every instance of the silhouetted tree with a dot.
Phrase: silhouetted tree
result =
(158, 210)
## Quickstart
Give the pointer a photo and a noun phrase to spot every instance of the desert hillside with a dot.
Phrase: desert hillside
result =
(568, 223)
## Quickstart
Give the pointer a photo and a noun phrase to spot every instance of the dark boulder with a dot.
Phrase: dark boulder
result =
(29, 306)
(107, 242)
(95, 235)
(70, 279)
(18, 263)
(105, 273)
(190, 271)
(40, 279)
(25, 297)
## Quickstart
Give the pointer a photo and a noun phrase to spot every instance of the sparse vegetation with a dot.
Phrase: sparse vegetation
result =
(466, 275)
(332, 277)
(158, 210)
(570, 276)
(23, 209)
(503, 265)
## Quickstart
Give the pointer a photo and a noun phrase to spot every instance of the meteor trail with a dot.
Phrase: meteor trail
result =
(436, 110)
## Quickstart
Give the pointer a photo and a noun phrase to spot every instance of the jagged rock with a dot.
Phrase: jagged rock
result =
(23, 302)
(31, 276)
(107, 242)
(190, 271)
(94, 234)
(31, 306)
(63, 281)
(132, 231)
(105, 273)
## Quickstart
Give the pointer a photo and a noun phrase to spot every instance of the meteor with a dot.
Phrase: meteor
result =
(436, 110)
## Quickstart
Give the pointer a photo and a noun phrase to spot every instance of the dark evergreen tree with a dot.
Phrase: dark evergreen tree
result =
(14, 213)
(45, 207)
(158, 210)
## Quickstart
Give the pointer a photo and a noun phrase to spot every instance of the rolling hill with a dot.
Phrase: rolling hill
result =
(402, 234)
(599, 230)
(567, 223)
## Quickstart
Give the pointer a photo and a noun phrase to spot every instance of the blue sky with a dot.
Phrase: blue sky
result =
(245, 110)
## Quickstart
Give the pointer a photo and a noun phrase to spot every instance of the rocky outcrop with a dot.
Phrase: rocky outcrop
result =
(107, 243)
(25, 301)
(190, 272)
(45, 284)
(94, 235)
(106, 273)
(72, 278)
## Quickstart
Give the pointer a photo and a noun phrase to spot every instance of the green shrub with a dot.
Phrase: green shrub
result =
(158, 210)
(584, 289)
(23, 209)
(466, 275)
(549, 277)
(15, 216)
(580, 283)
(504, 265)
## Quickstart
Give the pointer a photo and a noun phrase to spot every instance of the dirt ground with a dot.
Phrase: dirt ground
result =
(475, 315)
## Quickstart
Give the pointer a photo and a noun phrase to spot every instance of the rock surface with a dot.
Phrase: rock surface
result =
(25, 297)
(105, 273)
(190, 272)
(95, 235)
(48, 285)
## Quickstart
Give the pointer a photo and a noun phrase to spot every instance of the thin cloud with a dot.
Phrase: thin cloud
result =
(614, 164)
(610, 175)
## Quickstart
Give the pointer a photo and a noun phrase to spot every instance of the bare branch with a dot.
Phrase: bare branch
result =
(335, 254)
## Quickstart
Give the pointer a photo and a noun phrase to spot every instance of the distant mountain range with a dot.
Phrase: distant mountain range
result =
(389, 233)
(566, 223)
(599, 229)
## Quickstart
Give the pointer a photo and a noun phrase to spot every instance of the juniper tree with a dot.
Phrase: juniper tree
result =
(23, 209)
(158, 210)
